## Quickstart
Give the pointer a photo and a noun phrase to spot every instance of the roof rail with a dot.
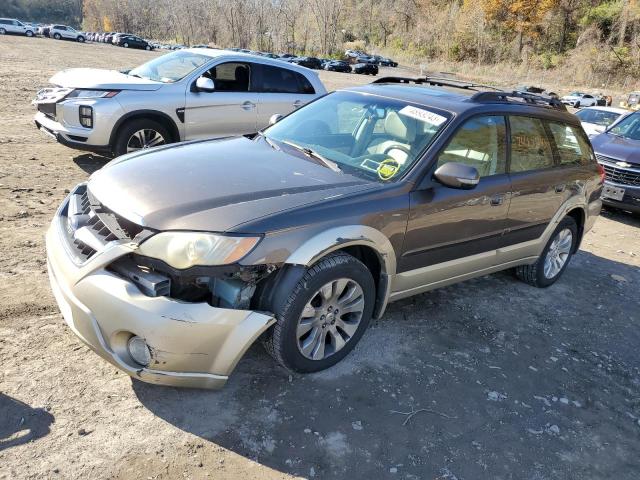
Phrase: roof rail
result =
(525, 97)
(482, 96)
(436, 81)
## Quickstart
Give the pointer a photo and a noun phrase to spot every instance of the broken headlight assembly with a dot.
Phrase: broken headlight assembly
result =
(188, 249)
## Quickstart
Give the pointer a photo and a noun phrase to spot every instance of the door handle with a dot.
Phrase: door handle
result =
(497, 200)
(297, 104)
(560, 188)
(248, 105)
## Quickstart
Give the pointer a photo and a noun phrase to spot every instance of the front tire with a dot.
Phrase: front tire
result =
(325, 315)
(81, 39)
(140, 134)
(125, 45)
(29, 33)
(3, 31)
(147, 48)
(554, 258)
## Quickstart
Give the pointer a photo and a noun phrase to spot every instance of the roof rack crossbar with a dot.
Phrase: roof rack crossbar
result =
(528, 98)
(436, 81)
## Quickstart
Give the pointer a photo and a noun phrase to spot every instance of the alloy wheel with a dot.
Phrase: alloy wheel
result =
(330, 319)
(558, 253)
(145, 138)
(2, 31)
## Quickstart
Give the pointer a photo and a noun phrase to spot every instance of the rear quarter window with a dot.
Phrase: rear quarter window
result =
(571, 145)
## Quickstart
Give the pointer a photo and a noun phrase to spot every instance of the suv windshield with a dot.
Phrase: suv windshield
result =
(628, 127)
(374, 137)
(599, 117)
(171, 67)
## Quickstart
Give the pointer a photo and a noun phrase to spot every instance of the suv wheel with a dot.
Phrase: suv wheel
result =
(57, 36)
(81, 39)
(325, 315)
(555, 256)
(29, 33)
(147, 47)
(125, 45)
(140, 134)
(3, 31)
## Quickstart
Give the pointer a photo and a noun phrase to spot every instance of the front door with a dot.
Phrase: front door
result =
(231, 109)
(449, 224)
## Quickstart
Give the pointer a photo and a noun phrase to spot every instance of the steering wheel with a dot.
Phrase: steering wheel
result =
(402, 148)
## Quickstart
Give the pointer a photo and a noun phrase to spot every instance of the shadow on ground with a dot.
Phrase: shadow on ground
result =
(508, 381)
(90, 162)
(19, 423)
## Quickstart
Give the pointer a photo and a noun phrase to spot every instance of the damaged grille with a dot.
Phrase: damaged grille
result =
(90, 226)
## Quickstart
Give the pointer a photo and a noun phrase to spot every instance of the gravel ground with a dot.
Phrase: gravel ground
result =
(505, 381)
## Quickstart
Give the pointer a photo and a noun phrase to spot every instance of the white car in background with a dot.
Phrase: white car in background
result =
(11, 25)
(579, 99)
(596, 120)
(60, 32)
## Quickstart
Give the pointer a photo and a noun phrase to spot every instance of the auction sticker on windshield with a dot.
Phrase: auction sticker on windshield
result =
(423, 115)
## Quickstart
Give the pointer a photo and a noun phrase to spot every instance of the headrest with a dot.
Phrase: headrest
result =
(401, 128)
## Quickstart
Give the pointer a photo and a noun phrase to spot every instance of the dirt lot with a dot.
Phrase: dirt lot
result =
(515, 382)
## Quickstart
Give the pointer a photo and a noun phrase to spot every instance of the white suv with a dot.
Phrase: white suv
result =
(60, 32)
(11, 25)
(188, 94)
(579, 99)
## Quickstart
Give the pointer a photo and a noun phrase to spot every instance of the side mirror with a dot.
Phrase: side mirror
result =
(204, 84)
(275, 118)
(457, 175)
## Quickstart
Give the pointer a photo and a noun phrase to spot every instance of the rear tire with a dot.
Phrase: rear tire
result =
(554, 258)
(328, 333)
(125, 45)
(125, 143)
(57, 36)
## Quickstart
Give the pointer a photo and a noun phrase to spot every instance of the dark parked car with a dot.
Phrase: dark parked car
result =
(309, 62)
(338, 66)
(131, 41)
(302, 233)
(618, 151)
(366, 68)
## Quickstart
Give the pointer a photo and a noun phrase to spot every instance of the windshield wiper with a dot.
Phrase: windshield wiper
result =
(315, 155)
(268, 140)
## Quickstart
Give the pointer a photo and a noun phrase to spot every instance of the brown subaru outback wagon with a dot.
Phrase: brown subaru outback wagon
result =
(171, 261)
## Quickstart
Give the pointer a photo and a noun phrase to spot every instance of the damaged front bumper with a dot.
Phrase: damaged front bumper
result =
(191, 344)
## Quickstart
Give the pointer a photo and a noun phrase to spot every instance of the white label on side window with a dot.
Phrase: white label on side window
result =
(423, 115)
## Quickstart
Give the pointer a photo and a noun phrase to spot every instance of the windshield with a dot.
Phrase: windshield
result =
(368, 136)
(171, 67)
(628, 127)
(599, 117)
(576, 94)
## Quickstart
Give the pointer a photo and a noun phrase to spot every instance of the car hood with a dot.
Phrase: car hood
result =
(97, 78)
(215, 185)
(618, 148)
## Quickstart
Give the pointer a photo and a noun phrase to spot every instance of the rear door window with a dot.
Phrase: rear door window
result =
(283, 80)
(530, 145)
(570, 144)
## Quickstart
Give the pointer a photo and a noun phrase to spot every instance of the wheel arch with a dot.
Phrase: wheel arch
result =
(155, 115)
(367, 244)
(578, 214)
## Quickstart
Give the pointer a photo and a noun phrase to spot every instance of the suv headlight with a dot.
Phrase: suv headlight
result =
(81, 93)
(187, 249)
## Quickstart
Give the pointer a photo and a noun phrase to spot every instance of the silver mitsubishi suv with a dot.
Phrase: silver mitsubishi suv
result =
(184, 95)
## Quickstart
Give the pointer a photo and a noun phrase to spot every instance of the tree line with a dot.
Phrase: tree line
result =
(598, 40)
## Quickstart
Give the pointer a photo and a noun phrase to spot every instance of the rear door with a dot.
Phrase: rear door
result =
(282, 90)
(538, 187)
(448, 223)
(229, 110)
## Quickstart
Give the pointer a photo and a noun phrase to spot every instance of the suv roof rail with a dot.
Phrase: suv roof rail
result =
(436, 81)
(524, 97)
(496, 96)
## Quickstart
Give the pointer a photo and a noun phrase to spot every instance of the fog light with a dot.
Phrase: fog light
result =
(86, 116)
(139, 350)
